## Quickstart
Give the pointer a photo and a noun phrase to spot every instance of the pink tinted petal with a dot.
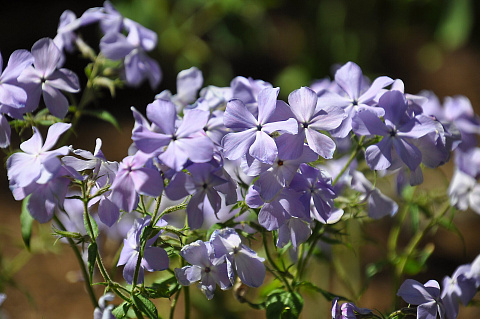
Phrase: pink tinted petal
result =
(302, 103)
(379, 156)
(47, 56)
(55, 101)
(237, 116)
(264, 148)
(267, 101)
(155, 259)
(320, 143)
(236, 145)
(54, 132)
(64, 80)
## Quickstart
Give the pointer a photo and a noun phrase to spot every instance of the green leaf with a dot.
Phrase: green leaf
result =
(92, 256)
(63, 233)
(104, 116)
(164, 288)
(86, 218)
(120, 312)
(283, 304)
(145, 306)
(26, 222)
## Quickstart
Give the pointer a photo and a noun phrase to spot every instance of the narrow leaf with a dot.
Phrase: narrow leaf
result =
(120, 312)
(26, 221)
(92, 256)
(104, 116)
(145, 306)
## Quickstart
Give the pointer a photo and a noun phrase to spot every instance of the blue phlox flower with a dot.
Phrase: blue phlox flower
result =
(205, 268)
(47, 78)
(464, 192)
(154, 258)
(252, 133)
(357, 95)
(248, 265)
(317, 194)
(458, 288)
(427, 297)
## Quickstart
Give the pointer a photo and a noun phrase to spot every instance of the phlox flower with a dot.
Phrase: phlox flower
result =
(397, 131)
(252, 133)
(104, 311)
(201, 183)
(37, 163)
(317, 194)
(173, 144)
(427, 297)
(153, 259)
(312, 117)
(247, 264)
(356, 95)
(464, 192)
(134, 177)
(47, 78)
(347, 310)
(205, 268)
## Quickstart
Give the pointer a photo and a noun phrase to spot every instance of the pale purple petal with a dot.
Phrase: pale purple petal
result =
(250, 268)
(409, 154)
(55, 101)
(379, 156)
(196, 253)
(5, 132)
(155, 259)
(108, 212)
(115, 46)
(147, 181)
(237, 145)
(237, 116)
(264, 148)
(350, 78)
(267, 101)
(320, 143)
(64, 80)
(47, 55)
(371, 93)
(193, 121)
(302, 103)
(19, 60)
(54, 132)
(367, 123)
(327, 118)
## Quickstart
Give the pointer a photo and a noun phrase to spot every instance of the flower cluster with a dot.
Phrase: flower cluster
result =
(237, 155)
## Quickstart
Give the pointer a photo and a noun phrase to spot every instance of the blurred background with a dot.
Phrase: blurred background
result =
(429, 44)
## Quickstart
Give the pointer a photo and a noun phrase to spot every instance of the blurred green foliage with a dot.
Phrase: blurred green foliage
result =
(290, 43)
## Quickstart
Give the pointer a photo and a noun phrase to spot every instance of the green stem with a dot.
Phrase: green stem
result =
(270, 260)
(78, 255)
(311, 248)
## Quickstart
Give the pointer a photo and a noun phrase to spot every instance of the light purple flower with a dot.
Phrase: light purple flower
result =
(153, 259)
(37, 163)
(132, 49)
(357, 95)
(205, 268)
(46, 78)
(173, 145)
(11, 94)
(294, 230)
(252, 133)
(134, 177)
(317, 194)
(201, 184)
(248, 266)
(427, 297)
(189, 82)
(458, 288)
(312, 117)
(397, 130)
